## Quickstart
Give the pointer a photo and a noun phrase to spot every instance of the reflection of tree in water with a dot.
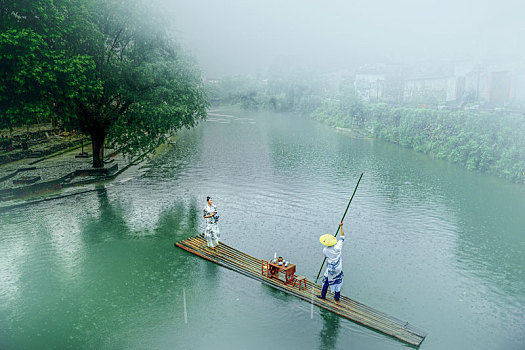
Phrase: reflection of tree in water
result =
(179, 221)
(135, 275)
(193, 215)
(110, 221)
(328, 335)
(171, 220)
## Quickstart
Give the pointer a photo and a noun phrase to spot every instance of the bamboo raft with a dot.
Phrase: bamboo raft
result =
(250, 266)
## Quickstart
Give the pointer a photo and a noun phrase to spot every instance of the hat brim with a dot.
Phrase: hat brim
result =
(328, 240)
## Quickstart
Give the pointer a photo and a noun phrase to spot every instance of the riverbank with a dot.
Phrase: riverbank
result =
(29, 177)
(51, 176)
(489, 142)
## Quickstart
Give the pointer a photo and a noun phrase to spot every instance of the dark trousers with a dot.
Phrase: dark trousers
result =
(325, 288)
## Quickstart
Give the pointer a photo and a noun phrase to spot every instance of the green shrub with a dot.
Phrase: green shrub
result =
(483, 141)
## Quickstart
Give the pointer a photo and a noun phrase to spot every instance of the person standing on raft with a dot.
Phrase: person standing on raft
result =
(211, 233)
(333, 275)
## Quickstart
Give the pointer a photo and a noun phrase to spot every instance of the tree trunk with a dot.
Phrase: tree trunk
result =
(97, 140)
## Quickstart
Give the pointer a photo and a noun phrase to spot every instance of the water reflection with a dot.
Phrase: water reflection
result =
(276, 293)
(171, 220)
(212, 273)
(179, 221)
(193, 215)
(109, 222)
(65, 238)
(329, 332)
(10, 254)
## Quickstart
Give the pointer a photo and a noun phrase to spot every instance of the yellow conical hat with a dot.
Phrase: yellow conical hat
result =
(328, 240)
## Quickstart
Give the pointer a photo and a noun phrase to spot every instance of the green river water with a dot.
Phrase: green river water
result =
(427, 242)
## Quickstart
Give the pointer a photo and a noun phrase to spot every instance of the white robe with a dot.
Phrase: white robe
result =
(334, 266)
(211, 232)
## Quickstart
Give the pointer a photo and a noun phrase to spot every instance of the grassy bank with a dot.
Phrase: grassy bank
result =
(490, 142)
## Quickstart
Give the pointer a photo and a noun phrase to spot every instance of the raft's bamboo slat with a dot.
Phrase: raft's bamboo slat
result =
(250, 266)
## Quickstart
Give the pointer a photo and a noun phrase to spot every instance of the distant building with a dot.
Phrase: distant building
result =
(496, 83)
(369, 86)
(374, 83)
(430, 89)
(455, 83)
(429, 83)
(517, 90)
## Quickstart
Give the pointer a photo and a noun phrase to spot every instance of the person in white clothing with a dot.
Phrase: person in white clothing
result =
(333, 276)
(211, 233)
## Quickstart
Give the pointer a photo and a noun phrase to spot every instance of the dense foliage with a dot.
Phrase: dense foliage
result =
(39, 76)
(491, 142)
(109, 68)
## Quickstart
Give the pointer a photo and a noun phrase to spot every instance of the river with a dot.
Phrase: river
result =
(427, 242)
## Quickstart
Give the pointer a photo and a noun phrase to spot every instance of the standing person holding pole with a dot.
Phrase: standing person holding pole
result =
(333, 276)
(341, 225)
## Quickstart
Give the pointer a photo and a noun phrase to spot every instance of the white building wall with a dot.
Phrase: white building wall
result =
(369, 87)
(438, 89)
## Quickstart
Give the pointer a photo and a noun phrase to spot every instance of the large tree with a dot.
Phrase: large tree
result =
(116, 72)
(150, 88)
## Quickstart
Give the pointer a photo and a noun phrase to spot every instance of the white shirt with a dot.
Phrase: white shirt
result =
(333, 257)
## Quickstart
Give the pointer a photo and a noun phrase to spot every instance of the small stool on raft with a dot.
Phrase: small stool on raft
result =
(298, 280)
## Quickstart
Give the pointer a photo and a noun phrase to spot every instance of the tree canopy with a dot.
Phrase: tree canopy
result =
(38, 77)
(109, 68)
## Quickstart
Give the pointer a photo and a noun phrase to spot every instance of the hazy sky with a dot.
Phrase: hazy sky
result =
(246, 36)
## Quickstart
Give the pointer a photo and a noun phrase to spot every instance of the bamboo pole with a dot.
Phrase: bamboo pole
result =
(338, 227)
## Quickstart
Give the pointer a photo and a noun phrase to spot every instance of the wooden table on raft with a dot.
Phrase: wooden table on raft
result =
(288, 271)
